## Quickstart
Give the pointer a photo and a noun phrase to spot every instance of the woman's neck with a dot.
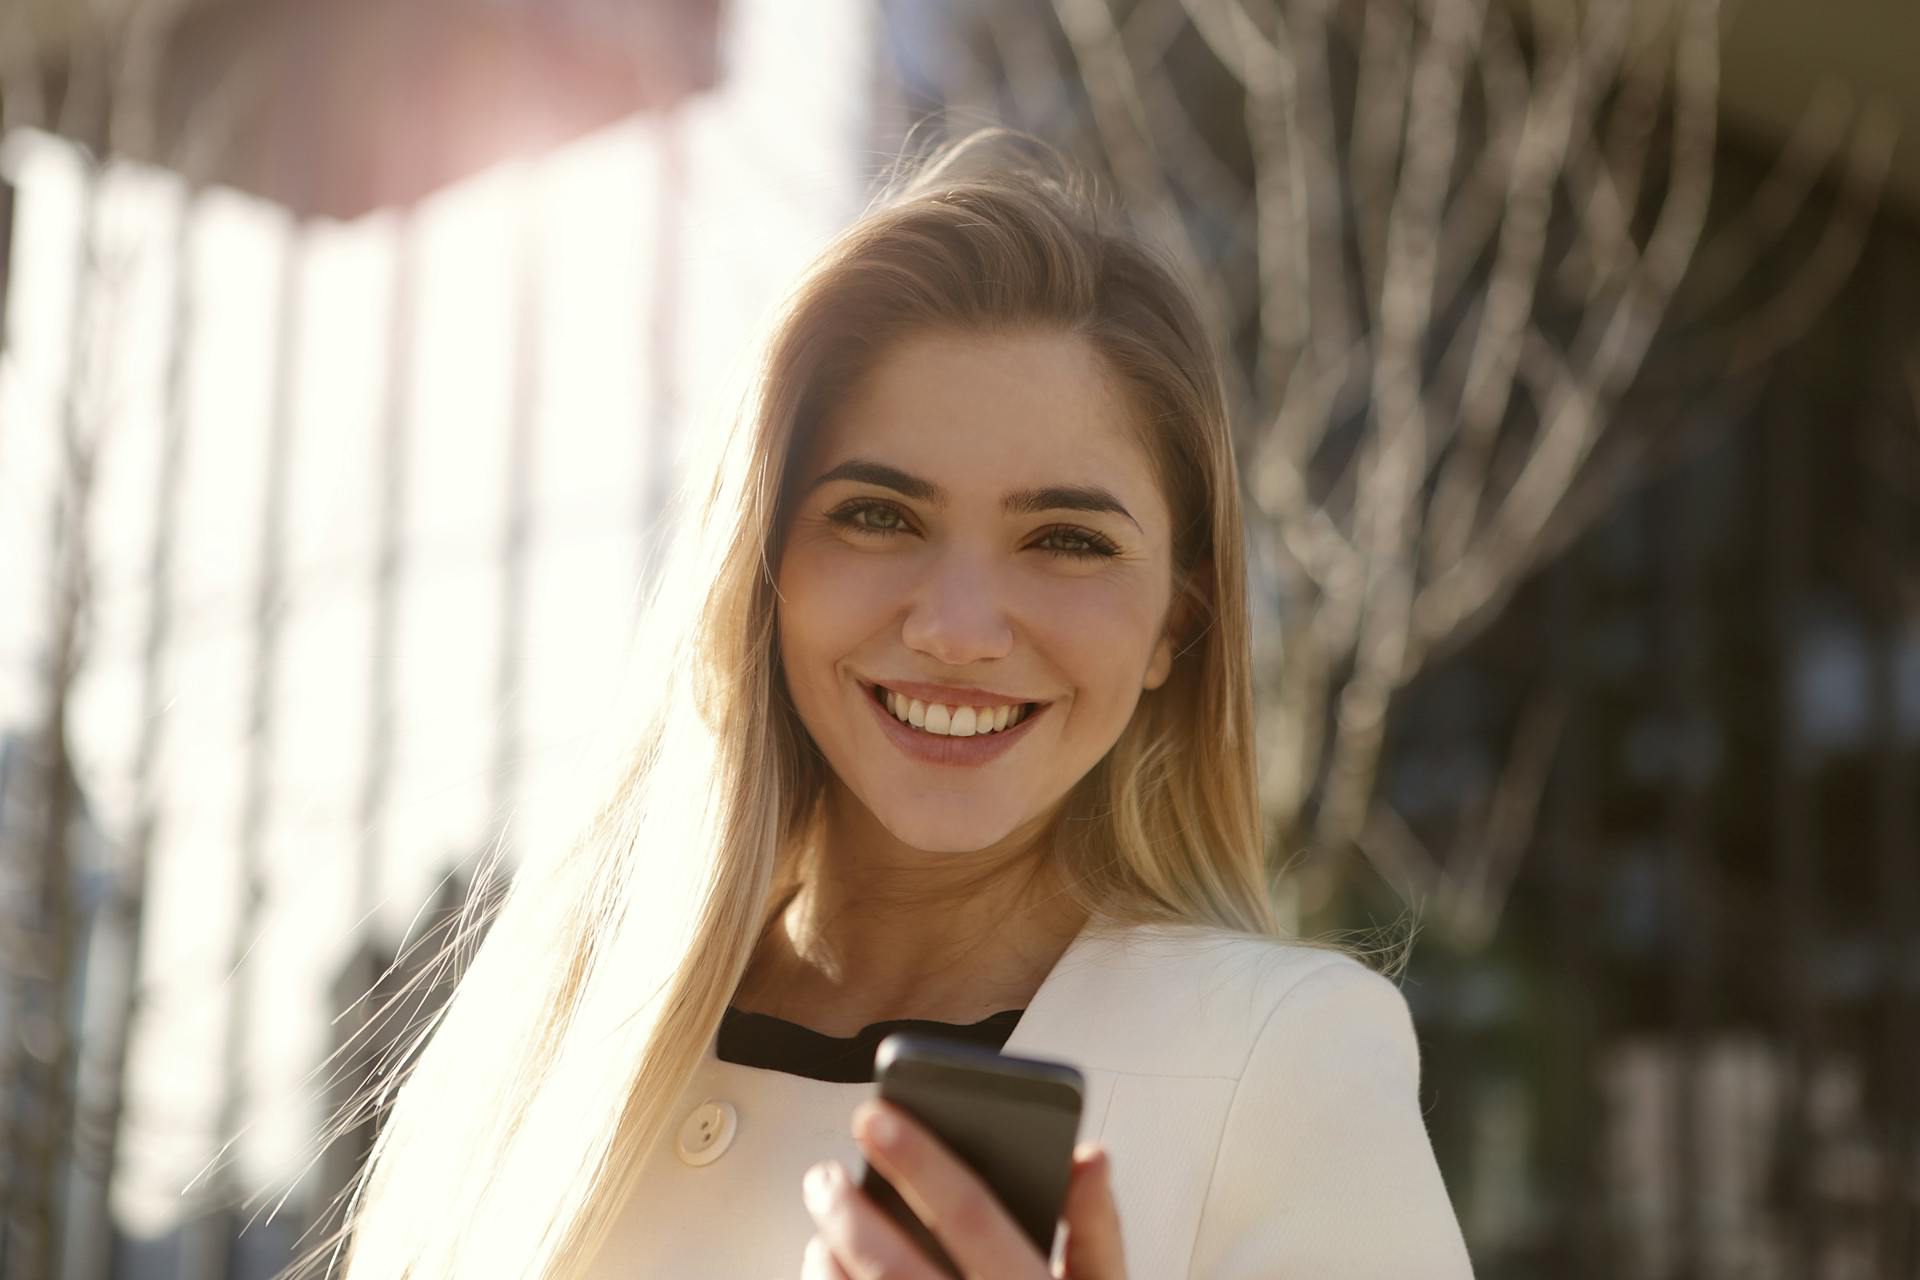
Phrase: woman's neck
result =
(837, 961)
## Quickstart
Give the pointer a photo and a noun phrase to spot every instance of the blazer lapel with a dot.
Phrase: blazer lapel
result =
(1096, 1000)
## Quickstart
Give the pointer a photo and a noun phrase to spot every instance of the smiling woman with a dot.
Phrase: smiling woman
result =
(953, 731)
(965, 579)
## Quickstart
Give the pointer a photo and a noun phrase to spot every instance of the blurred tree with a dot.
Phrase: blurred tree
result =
(1439, 237)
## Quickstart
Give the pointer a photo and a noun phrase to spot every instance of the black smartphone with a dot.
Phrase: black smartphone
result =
(1011, 1120)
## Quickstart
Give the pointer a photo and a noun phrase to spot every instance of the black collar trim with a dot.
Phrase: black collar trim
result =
(762, 1040)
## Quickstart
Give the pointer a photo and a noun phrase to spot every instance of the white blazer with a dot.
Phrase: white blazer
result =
(1259, 1100)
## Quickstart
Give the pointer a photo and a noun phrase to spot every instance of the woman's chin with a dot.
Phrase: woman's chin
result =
(936, 839)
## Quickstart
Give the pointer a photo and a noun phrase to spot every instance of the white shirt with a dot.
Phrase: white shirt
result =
(1259, 1101)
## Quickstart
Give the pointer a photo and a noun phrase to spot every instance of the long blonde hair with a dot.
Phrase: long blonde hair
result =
(597, 990)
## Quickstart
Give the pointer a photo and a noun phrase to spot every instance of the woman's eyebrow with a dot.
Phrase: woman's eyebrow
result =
(1052, 497)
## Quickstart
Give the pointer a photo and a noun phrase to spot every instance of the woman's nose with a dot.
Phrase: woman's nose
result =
(958, 614)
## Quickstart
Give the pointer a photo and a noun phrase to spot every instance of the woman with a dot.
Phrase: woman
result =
(956, 731)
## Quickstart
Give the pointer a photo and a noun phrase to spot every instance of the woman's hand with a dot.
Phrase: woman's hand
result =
(856, 1241)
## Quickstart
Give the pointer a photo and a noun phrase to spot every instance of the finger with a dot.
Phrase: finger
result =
(1093, 1248)
(818, 1262)
(948, 1197)
(864, 1242)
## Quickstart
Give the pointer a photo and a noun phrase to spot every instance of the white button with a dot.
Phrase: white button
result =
(706, 1132)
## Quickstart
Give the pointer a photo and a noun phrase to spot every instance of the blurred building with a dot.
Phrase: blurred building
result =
(381, 334)
(64, 984)
(1692, 1048)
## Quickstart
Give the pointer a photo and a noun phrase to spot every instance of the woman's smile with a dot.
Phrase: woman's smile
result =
(934, 735)
(940, 709)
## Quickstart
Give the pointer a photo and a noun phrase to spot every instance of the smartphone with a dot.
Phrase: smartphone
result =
(1013, 1121)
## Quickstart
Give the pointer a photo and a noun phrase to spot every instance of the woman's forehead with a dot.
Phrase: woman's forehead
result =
(1038, 368)
(986, 411)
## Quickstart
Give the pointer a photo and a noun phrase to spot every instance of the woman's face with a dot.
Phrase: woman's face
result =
(915, 569)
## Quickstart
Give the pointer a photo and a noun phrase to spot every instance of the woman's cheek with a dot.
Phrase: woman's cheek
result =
(1090, 608)
(825, 571)
(862, 587)
(1115, 637)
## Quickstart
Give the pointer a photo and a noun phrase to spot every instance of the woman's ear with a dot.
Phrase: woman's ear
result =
(1181, 616)
(1162, 665)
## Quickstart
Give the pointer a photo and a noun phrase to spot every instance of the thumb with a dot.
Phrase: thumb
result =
(1093, 1249)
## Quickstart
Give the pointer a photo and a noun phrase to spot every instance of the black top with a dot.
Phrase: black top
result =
(762, 1040)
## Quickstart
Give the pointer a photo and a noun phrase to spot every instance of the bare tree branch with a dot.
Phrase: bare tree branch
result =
(1121, 119)
(1463, 228)
(1488, 852)
(1394, 453)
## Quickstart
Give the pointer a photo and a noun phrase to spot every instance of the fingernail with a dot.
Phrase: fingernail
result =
(881, 1129)
(817, 1185)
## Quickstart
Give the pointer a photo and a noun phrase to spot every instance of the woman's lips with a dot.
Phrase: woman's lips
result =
(934, 748)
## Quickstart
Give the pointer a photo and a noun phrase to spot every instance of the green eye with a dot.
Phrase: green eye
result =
(1092, 546)
(1091, 543)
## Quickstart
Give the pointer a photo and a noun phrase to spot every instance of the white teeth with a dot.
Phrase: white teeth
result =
(952, 722)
